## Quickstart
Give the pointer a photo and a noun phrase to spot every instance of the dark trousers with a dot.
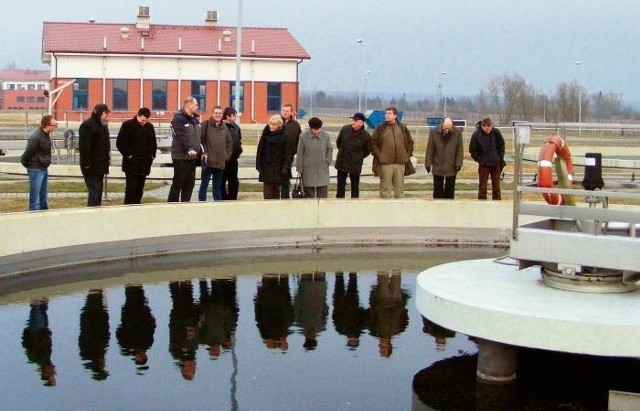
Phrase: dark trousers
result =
(284, 191)
(94, 183)
(184, 179)
(271, 191)
(444, 187)
(215, 175)
(483, 175)
(354, 178)
(133, 189)
(230, 182)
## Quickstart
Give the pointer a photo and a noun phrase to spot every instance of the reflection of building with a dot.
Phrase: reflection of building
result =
(132, 65)
(23, 89)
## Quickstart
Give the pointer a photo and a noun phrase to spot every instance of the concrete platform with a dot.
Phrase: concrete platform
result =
(496, 302)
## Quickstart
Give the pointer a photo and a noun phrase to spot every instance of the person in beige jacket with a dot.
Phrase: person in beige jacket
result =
(444, 158)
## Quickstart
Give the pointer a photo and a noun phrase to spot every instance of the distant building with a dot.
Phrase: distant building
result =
(132, 65)
(23, 89)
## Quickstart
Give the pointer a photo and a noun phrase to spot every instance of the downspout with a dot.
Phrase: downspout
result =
(297, 85)
(142, 81)
(218, 75)
(253, 93)
(179, 84)
(104, 79)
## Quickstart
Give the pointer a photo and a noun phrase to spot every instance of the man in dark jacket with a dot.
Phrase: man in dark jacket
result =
(95, 152)
(292, 130)
(137, 144)
(185, 151)
(37, 158)
(487, 149)
(354, 144)
(444, 158)
(230, 182)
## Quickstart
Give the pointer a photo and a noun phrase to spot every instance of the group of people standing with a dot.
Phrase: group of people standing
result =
(216, 145)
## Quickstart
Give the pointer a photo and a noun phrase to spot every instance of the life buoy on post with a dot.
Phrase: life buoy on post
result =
(554, 145)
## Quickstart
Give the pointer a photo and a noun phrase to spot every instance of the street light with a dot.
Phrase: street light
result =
(311, 90)
(444, 95)
(360, 43)
(579, 64)
(366, 77)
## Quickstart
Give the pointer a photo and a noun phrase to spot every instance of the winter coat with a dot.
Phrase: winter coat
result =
(487, 149)
(94, 144)
(37, 154)
(217, 143)
(353, 147)
(236, 136)
(273, 155)
(138, 147)
(313, 158)
(185, 130)
(444, 154)
(392, 143)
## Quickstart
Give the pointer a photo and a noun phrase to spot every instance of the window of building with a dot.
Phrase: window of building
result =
(232, 96)
(31, 86)
(159, 95)
(21, 87)
(199, 92)
(274, 96)
(120, 95)
(11, 86)
(31, 99)
(81, 94)
(41, 86)
(40, 99)
(20, 99)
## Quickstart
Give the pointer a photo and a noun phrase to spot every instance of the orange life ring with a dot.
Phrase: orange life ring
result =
(554, 145)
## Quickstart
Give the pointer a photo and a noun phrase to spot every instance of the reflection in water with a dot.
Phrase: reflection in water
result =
(218, 315)
(137, 325)
(183, 326)
(311, 308)
(349, 317)
(388, 305)
(439, 333)
(274, 311)
(36, 340)
(94, 334)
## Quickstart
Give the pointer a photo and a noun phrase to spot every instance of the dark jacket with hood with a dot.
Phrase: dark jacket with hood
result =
(138, 146)
(487, 149)
(94, 144)
(185, 130)
(236, 136)
(37, 154)
(274, 156)
(353, 147)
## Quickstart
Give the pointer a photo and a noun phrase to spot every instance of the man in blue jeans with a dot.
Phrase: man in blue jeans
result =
(37, 158)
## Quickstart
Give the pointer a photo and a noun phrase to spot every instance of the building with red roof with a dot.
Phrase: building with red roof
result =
(128, 66)
(23, 89)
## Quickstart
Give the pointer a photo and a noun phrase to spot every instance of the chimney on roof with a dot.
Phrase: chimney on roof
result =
(144, 20)
(92, 19)
(226, 35)
(212, 18)
(124, 32)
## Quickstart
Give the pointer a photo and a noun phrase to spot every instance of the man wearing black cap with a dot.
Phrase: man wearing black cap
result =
(354, 144)
(95, 152)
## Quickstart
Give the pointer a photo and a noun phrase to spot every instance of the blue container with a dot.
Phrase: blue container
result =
(376, 117)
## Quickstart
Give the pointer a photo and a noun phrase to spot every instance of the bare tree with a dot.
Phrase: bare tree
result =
(507, 93)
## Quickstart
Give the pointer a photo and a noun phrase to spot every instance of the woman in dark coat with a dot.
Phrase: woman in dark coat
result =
(273, 158)
(94, 145)
(137, 144)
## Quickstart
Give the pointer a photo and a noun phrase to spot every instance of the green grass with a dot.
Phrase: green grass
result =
(67, 187)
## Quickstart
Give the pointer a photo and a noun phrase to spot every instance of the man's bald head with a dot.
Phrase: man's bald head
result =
(447, 124)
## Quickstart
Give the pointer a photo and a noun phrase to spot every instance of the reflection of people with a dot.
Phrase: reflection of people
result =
(439, 333)
(487, 149)
(219, 314)
(217, 145)
(354, 144)
(230, 182)
(388, 311)
(183, 325)
(185, 151)
(444, 158)
(349, 318)
(37, 158)
(137, 143)
(292, 130)
(94, 334)
(36, 340)
(313, 159)
(273, 158)
(273, 310)
(392, 149)
(311, 310)
(137, 325)
(94, 144)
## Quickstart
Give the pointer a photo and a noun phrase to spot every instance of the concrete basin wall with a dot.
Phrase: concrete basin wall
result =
(35, 241)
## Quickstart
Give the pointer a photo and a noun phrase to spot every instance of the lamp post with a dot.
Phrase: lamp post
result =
(311, 92)
(579, 64)
(444, 96)
(366, 77)
(238, 58)
(360, 43)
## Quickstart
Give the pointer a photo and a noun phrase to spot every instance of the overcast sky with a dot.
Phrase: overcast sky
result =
(407, 44)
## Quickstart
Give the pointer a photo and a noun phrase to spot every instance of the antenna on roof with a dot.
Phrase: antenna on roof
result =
(104, 42)
(180, 44)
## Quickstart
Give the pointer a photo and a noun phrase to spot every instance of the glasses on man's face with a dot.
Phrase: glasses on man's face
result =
(53, 125)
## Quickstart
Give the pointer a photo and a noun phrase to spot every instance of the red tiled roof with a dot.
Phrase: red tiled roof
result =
(24, 75)
(165, 39)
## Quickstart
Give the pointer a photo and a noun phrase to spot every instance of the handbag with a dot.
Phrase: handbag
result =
(298, 188)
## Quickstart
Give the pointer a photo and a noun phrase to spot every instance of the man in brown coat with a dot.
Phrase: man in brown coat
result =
(444, 158)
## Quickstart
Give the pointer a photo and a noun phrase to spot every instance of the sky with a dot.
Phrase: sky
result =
(407, 45)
